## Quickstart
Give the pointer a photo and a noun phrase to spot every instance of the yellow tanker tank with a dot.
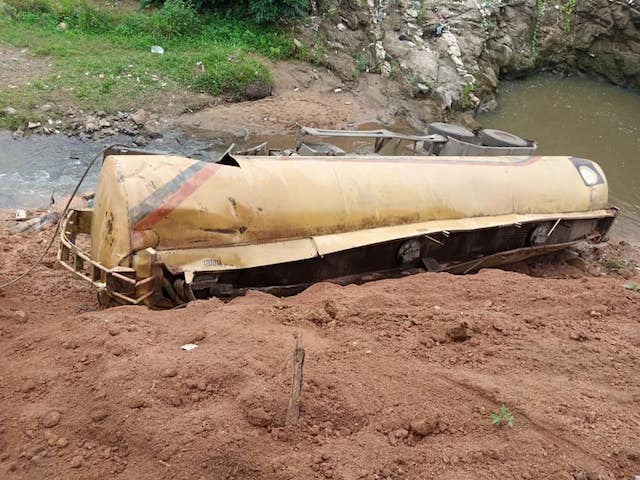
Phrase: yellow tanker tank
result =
(166, 229)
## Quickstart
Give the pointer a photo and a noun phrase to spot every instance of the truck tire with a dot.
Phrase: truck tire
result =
(449, 130)
(498, 138)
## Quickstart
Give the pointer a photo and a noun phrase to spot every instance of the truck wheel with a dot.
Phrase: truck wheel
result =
(498, 138)
(449, 130)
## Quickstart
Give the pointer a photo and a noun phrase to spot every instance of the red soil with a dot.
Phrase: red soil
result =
(400, 380)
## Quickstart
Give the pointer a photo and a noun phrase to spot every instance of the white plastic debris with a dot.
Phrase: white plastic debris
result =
(21, 215)
(157, 49)
(189, 346)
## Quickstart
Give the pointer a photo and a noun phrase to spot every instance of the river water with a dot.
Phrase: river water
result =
(37, 167)
(584, 118)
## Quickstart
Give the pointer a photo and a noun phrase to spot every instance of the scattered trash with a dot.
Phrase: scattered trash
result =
(20, 215)
(157, 49)
(423, 88)
(189, 346)
(35, 224)
(632, 286)
(440, 29)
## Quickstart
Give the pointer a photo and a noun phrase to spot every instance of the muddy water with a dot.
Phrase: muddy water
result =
(584, 118)
(35, 168)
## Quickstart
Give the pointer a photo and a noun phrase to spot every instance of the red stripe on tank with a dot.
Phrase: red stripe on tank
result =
(172, 202)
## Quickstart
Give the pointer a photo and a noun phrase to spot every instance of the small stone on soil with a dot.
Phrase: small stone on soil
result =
(169, 372)
(50, 419)
(136, 403)
(578, 336)
(439, 338)
(626, 273)
(76, 462)
(331, 309)
(99, 415)
(259, 417)
(140, 117)
(401, 433)
(140, 141)
(459, 333)
(17, 316)
(424, 425)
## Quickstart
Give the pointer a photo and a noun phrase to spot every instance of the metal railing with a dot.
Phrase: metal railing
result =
(83, 266)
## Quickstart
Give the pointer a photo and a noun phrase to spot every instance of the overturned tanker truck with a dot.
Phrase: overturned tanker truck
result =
(165, 230)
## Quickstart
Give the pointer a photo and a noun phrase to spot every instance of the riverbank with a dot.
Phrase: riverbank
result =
(69, 58)
(418, 61)
(115, 396)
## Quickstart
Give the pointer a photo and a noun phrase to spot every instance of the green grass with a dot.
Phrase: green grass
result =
(613, 265)
(102, 60)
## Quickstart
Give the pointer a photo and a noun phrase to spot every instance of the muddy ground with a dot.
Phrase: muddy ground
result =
(400, 379)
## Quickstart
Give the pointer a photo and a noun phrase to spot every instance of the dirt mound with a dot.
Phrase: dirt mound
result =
(400, 380)
(303, 95)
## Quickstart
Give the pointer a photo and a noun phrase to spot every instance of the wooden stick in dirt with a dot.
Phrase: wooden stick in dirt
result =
(293, 411)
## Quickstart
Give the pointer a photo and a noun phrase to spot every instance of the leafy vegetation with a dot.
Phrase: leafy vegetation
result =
(503, 416)
(362, 65)
(539, 11)
(261, 11)
(569, 7)
(469, 90)
(613, 265)
(101, 58)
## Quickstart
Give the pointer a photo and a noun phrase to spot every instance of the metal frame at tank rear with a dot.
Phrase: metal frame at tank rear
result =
(118, 283)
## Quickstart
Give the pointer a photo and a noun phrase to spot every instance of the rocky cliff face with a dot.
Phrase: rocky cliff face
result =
(449, 54)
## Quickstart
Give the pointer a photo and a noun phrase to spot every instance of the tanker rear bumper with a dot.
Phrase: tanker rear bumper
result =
(157, 283)
(119, 285)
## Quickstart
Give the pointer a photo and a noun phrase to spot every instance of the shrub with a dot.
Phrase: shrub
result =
(87, 19)
(260, 11)
(229, 73)
(176, 18)
(34, 6)
(265, 11)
